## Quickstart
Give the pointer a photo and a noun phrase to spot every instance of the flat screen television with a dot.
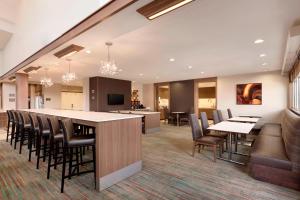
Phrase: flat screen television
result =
(115, 99)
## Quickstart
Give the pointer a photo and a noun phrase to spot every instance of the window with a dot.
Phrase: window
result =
(296, 94)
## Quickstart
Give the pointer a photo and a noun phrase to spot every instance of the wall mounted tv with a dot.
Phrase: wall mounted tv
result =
(115, 99)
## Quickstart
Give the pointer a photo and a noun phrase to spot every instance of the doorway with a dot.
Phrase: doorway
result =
(207, 98)
(163, 100)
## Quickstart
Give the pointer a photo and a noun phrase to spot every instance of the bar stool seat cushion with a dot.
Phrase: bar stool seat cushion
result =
(46, 132)
(59, 136)
(81, 141)
(209, 140)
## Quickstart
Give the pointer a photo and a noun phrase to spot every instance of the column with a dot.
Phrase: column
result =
(21, 91)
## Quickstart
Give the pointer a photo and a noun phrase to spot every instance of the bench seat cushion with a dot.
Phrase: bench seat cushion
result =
(270, 151)
(271, 130)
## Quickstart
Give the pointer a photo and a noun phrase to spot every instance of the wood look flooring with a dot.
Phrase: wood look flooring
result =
(169, 172)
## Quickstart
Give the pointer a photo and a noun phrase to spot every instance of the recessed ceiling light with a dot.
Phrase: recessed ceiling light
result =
(202, 72)
(88, 51)
(262, 55)
(141, 74)
(190, 67)
(258, 41)
(264, 64)
(172, 59)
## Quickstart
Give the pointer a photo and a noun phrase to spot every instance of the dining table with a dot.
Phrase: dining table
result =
(244, 119)
(232, 128)
(178, 113)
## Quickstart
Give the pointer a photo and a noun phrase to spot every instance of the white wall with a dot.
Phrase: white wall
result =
(139, 87)
(40, 22)
(148, 95)
(8, 92)
(274, 95)
(54, 94)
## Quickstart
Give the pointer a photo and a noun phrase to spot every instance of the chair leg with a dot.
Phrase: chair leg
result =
(70, 162)
(94, 163)
(8, 125)
(63, 170)
(49, 158)
(30, 141)
(45, 148)
(77, 160)
(16, 138)
(56, 154)
(194, 148)
(21, 141)
(12, 134)
(38, 151)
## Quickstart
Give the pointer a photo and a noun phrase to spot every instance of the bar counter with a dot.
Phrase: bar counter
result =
(118, 142)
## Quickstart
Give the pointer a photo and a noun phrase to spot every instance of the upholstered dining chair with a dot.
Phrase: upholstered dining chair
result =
(229, 113)
(207, 132)
(199, 139)
(220, 115)
(215, 117)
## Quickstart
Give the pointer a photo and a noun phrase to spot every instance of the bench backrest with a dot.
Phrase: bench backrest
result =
(291, 136)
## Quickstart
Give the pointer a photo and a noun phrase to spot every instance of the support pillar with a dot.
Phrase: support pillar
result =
(21, 91)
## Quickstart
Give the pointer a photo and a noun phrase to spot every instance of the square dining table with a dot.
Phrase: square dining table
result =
(232, 128)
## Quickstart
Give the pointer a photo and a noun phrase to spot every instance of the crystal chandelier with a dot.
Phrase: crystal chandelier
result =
(46, 81)
(108, 67)
(69, 76)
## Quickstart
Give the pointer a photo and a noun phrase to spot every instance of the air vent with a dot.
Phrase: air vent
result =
(31, 69)
(292, 51)
(158, 8)
(68, 51)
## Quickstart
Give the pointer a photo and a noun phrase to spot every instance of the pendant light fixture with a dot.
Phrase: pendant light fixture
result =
(46, 81)
(69, 76)
(108, 67)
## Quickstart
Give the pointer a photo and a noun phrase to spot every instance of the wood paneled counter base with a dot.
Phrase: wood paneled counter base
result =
(118, 142)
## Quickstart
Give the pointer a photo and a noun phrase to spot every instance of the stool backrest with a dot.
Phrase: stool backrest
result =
(53, 125)
(15, 116)
(33, 121)
(9, 116)
(43, 123)
(204, 123)
(68, 129)
(196, 130)
(24, 116)
(215, 117)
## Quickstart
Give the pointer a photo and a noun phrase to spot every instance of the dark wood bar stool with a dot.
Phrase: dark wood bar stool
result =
(14, 127)
(17, 134)
(10, 125)
(25, 129)
(74, 142)
(43, 136)
(56, 138)
(32, 140)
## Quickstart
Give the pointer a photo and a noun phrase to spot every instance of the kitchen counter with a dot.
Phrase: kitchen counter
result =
(151, 120)
(118, 142)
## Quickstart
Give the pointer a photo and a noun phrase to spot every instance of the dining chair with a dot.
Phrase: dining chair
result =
(199, 139)
(229, 113)
(72, 142)
(207, 132)
(220, 115)
(215, 117)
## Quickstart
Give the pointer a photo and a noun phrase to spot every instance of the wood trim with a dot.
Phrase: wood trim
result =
(103, 13)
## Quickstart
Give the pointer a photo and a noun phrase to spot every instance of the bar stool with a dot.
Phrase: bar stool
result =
(56, 137)
(72, 141)
(17, 134)
(10, 124)
(33, 134)
(44, 134)
(14, 126)
(25, 128)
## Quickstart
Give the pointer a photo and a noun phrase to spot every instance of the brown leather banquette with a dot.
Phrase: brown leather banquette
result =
(275, 156)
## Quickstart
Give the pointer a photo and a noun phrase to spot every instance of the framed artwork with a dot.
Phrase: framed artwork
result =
(249, 94)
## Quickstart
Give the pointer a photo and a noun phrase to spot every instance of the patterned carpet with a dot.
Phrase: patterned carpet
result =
(169, 172)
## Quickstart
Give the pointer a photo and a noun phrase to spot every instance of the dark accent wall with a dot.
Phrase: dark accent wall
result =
(182, 96)
(100, 87)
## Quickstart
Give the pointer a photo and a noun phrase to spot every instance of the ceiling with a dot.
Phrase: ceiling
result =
(215, 37)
